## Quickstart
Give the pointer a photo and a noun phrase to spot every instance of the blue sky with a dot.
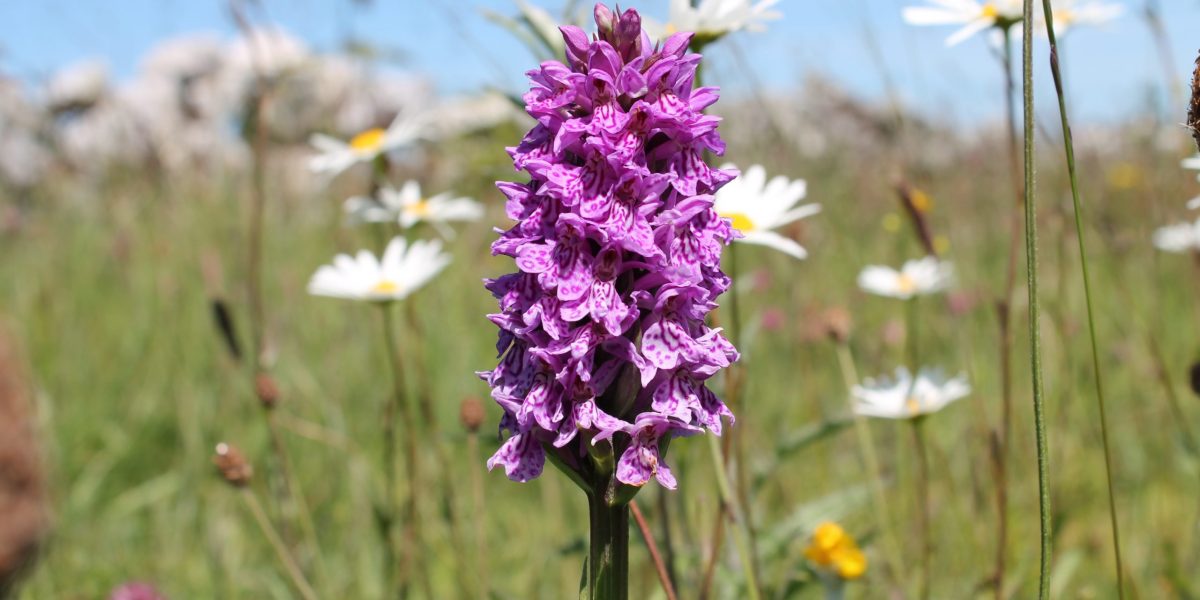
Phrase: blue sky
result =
(1112, 72)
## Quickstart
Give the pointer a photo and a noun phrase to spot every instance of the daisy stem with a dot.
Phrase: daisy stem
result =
(867, 446)
(1035, 342)
(1069, 148)
(923, 498)
(912, 332)
(741, 535)
(397, 402)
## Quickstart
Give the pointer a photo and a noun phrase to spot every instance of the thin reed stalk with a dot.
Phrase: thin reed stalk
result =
(289, 562)
(1069, 149)
(1004, 314)
(660, 567)
(477, 506)
(1035, 340)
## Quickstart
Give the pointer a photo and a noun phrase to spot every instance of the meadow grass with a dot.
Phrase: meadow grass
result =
(109, 287)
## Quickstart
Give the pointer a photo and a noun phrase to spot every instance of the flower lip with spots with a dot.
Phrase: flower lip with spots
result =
(617, 245)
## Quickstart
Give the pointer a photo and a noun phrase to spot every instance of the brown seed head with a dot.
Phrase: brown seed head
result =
(268, 392)
(837, 324)
(471, 413)
(233, 465)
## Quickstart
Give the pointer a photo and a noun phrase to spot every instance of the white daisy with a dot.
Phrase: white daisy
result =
(973, 16)
(1192, 163)
(712, 19)
(402, 271)
(904, 398)
(757, 206)
(1072, 13)
(337, 156)
(78, 86)
(916, 278)
(408, 207)
(1181, 237)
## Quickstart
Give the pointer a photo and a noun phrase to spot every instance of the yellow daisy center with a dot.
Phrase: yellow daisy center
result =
(921, 201)
(419, 209)
(990, 11)
(905, 284)
(741, 221)
(386, 286)
(368, 141)
(912, 406)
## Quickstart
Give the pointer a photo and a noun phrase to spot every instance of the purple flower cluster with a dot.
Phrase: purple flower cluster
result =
(602, 331)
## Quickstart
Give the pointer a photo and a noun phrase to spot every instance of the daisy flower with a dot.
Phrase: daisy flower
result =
(712, 19)
(402, 271)
(904, 398)
(916, 278)
(336, 156)
(1192, 163)
(408, 207)
(756, 207)
(835, 552)
(971, 15)
(1071, 13)
(1181, 237)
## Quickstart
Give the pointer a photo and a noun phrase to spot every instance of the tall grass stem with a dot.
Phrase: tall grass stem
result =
(1069, 149)
(1035, 340)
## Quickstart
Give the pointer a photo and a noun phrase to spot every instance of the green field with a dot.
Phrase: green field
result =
(109, 289)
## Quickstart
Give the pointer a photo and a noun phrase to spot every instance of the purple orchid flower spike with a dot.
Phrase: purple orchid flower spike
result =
(604, 351)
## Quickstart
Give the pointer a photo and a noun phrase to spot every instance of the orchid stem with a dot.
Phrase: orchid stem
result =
(1069, 148)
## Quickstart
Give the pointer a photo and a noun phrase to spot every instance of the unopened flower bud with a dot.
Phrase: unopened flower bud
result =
(471, 413)
(233, 465)
(267, 391)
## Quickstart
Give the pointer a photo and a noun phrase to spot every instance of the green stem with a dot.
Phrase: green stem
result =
(391, 501)
(741, 537)
(1069, 148)
(285, 557)
(608, 560)
(923, 499)
(867, 446)
(1035, 341)
(1005, 318)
